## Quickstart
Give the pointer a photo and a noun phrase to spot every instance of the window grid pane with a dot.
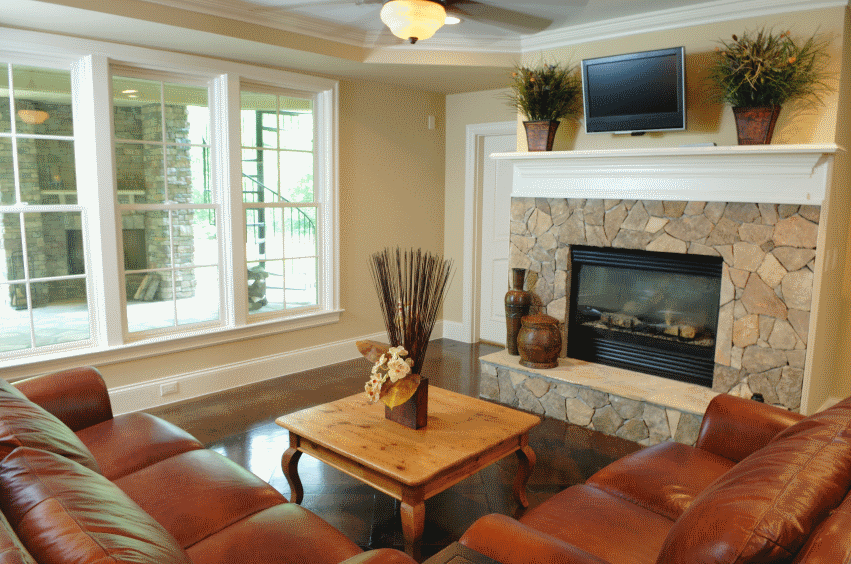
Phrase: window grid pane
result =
(163, 174)
(44, 297)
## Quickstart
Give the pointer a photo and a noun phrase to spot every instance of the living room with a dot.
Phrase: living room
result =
(392, 158)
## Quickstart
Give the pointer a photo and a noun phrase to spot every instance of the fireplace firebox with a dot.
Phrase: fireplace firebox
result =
(651, 312)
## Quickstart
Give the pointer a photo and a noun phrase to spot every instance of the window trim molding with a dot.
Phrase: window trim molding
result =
(90, 59)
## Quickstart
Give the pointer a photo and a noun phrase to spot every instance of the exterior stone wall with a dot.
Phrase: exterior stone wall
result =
(634, 420)
(766, 291)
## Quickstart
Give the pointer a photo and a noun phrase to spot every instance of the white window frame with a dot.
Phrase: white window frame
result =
(90, 63)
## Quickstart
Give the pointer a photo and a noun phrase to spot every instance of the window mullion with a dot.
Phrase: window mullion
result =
(95, 176)
(228, 179)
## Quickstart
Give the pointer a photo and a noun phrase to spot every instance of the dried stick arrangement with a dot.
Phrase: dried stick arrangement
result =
(411, 286)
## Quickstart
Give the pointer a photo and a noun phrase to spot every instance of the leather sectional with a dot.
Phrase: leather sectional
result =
(761, 485)
(78, 485)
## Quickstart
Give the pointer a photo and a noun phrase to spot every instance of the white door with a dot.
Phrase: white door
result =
(496, 226)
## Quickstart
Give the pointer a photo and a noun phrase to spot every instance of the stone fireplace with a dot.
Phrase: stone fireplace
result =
(755, 210)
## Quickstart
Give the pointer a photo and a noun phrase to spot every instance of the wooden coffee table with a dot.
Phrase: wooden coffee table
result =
(463, 436)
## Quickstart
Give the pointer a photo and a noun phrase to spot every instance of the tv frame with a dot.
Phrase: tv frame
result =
(637, 124)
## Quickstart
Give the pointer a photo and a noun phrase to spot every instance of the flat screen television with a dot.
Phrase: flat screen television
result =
(636, 92)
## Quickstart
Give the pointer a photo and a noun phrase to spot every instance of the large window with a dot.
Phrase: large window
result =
(43, 290)
(279, 200)
(165, 202)
(168, 198)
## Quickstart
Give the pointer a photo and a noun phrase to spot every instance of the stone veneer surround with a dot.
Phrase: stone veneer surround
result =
(758, 207)
(767, 279)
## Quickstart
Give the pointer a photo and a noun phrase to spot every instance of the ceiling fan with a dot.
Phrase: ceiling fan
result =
(414, 20)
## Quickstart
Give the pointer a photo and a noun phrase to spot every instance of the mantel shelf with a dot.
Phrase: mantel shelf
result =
(781, 174)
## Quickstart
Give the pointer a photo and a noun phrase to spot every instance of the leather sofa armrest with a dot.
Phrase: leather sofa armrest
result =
(380, 556)
(78, 397)
(509, 541)
(734, 427)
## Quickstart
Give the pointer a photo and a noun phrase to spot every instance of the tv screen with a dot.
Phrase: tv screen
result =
(636, 92)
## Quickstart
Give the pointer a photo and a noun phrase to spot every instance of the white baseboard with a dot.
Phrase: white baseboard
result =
(829, 402)
(189, 385)
(454, 330)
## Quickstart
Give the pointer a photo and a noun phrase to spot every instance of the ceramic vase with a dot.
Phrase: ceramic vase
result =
(539, 341)
(755, 126)
(517, 302)
(414, 412)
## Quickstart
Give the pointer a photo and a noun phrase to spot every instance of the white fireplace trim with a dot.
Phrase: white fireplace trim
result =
(776, 174)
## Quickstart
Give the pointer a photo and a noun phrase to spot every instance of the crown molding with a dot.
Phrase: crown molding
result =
(710, 12)
(673, 18)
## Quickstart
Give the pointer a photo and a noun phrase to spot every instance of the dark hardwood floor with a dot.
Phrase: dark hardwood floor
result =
(240, 424)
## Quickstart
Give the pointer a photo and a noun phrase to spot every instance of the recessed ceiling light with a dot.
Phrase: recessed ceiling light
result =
(452, 20)
(129, 91)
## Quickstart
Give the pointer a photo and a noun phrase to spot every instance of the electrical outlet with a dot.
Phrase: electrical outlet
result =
(168, 389)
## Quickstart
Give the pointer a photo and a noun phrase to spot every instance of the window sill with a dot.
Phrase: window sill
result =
(51, 362)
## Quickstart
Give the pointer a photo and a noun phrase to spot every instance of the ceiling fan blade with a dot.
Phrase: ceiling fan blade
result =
(500, 17)
(313, 4)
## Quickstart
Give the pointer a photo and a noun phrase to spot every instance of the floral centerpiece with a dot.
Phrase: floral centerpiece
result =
(545, 94)
(764, 69)
(411, 286)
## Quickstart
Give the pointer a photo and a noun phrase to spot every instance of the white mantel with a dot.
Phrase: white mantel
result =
(778, 174)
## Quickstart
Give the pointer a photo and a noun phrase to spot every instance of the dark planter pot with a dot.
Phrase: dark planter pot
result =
(755, 126)
(517, 302)
(540, 134)
(539, 341)
(414, 412)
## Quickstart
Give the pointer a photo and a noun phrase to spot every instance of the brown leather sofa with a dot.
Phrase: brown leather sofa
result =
(78, 485)
(762, 485)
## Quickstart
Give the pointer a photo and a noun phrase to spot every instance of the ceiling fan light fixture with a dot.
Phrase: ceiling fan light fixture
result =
(413, 19)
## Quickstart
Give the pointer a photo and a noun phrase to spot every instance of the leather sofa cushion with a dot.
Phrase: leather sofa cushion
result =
(24, 423)
(600, 524)
(65, 513)
(663, 478)
(11, 549)
(764, 509)
(130, 442)
(829, 542)
(206, 492)
(283, 534)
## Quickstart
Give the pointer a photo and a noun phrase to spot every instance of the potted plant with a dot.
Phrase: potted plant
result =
(759, 72)
(544, 95)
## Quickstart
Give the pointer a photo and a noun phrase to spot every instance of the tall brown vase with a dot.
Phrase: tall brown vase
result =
(517, 302)
(414, 412)
(540, 135)
(755, 126)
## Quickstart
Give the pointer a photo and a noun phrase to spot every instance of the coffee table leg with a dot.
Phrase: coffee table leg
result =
(289, 464)
(413, 524)
(526, 459)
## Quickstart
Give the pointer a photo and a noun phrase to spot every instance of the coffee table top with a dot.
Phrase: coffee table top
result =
(459, 428)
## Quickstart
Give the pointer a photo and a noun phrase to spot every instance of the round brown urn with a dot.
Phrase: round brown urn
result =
(517, 302)
(539, 341)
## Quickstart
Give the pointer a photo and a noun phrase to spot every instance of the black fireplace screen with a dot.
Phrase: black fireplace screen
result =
(651, 312)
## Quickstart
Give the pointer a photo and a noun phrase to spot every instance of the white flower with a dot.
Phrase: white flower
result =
(397, 369)
(398, 351)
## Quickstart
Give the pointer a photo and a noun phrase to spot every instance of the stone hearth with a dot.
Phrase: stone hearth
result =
(637, 407)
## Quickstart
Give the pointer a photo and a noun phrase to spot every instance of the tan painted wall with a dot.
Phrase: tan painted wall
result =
(462, 110)
(840, 236)
(707, 121)
(391, 193)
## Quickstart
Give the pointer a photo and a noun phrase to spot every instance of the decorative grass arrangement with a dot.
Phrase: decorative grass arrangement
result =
(545, 93)
(411, 286)
(768, 69)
